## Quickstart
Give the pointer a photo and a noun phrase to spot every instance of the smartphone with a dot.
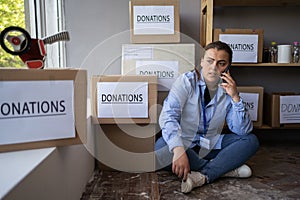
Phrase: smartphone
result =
(225, 71)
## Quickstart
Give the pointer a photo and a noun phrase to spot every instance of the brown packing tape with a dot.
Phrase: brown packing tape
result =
(260, 33)
(80, 101)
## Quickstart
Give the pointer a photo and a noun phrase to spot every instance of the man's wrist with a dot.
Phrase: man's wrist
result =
(236, 98)
(178, 150)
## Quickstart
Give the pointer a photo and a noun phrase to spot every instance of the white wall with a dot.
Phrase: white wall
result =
(98, 28)
(104, 25)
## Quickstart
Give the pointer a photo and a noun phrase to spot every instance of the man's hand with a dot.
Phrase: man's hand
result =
(180, 165)
(230, 86)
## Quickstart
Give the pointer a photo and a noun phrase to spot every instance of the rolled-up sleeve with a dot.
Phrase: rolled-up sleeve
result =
(238, 118)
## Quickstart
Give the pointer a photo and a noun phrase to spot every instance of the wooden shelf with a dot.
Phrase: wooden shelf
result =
(207, 13)
(206, 36)
(266, 64)
(292, 126)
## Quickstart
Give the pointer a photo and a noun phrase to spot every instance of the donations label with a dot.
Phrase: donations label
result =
(36, 111)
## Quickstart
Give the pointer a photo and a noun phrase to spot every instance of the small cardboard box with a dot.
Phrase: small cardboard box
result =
(246, 44)
(167, 61)
(33, 107)
(283, 110)
(125, 147)
(253, 100)
(115, 102)
(154, 21)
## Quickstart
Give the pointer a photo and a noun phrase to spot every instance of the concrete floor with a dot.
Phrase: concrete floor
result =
(276, 175)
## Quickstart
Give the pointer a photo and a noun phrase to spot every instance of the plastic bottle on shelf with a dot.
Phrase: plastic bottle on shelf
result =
(273, 52)
(295, 52)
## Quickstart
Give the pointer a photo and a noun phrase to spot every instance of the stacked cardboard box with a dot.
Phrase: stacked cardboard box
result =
(166, 61)
(125, 113)
(282, 110)
(156, 47)
(124, 100)
(155, 37)
(32, 117)
(154, 21)
(154, 51)
(253, 100)
(246, 44)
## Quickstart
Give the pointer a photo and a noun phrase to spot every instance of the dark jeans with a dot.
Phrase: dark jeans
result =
(235, 151)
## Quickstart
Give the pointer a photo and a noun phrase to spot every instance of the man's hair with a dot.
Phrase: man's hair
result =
(220, 46)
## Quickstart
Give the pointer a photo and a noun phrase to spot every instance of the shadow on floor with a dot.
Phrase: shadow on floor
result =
(276, 175)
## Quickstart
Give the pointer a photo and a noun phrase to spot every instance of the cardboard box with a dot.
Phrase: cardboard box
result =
(166, 61)
(125, 147)
(77, 77)
(112, 109)
(282, 110)
(247, 44)
(253, 100)
(154, 21)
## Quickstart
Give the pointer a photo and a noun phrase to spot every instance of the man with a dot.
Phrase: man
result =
(192, 119)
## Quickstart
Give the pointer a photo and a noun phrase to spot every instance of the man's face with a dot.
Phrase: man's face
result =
(213, 64)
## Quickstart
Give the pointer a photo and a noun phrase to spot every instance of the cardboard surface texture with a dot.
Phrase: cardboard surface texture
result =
(167, 61)
(154, 21)
(79, 79)
(152, 100)
(125, 147)
(274, 109)
(245, 47)
(253, 104)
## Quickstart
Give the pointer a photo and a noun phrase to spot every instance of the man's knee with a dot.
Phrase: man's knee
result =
(253, 141)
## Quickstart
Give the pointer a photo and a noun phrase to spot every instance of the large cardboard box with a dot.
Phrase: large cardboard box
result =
(166, 61)
(154, 21)
(115, 102)
(282, 110)
(253, 100)
(125, 147)
(246, 44)
(125, 143)
(31, 105)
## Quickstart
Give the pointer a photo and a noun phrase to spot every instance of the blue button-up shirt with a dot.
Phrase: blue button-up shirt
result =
(181, 118)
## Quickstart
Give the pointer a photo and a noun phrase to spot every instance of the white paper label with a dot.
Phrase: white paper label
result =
(166, 71)
(36, 111)
(137, 52)
(250, 101)
(122, 99)
(244, 46)
(289, 109)
(152, 20)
